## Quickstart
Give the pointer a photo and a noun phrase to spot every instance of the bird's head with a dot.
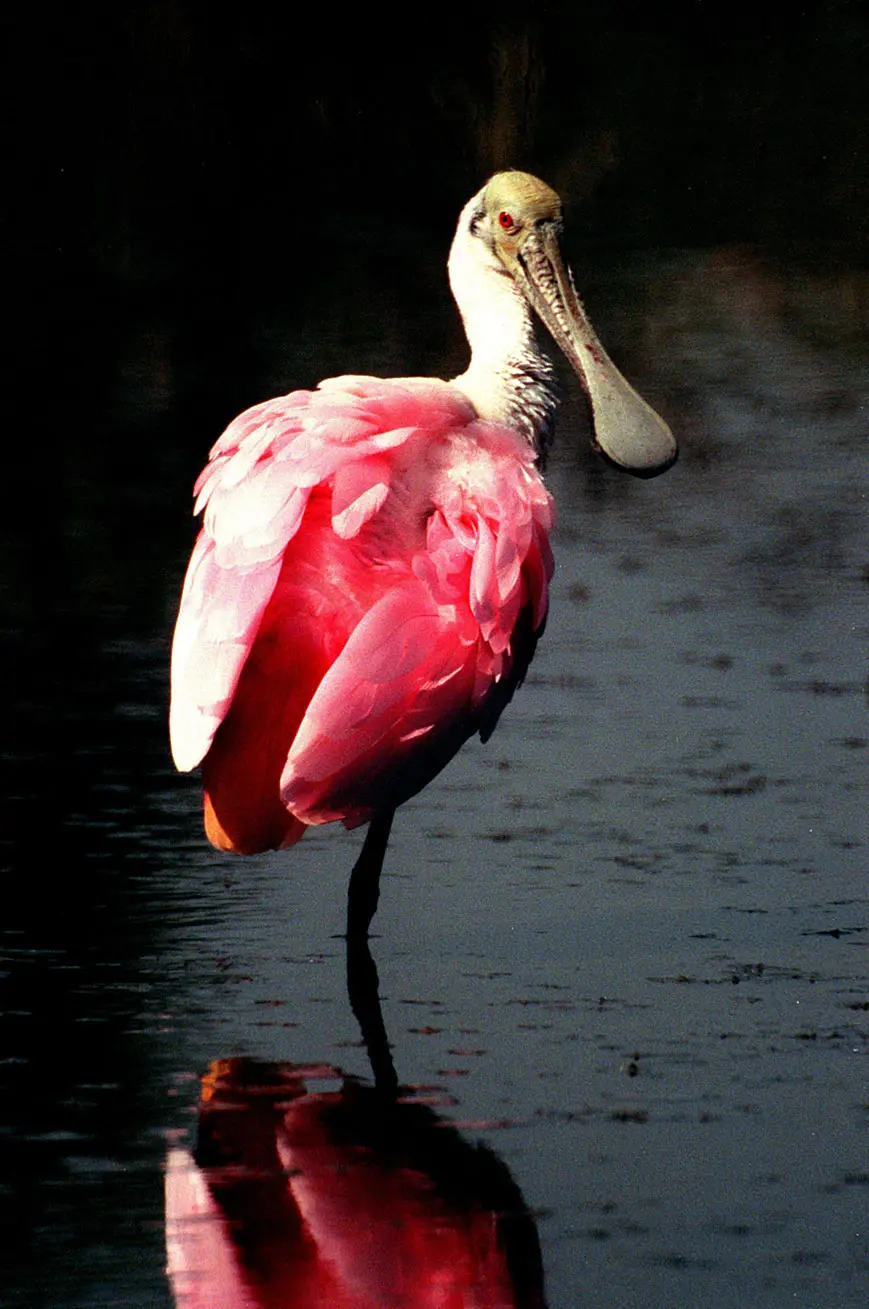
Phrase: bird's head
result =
(512, 228)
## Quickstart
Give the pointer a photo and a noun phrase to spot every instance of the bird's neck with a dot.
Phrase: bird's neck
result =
(511, 378)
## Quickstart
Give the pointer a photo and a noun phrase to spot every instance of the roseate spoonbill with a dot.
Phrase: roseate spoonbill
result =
(371, 577)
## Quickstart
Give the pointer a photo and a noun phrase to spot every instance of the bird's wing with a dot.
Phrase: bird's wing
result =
(254, 492)
(438, 656)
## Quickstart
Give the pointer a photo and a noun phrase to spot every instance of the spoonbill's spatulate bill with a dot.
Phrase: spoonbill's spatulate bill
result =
(371, 576)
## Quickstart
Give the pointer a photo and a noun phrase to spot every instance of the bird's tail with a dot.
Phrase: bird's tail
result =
(283, 830)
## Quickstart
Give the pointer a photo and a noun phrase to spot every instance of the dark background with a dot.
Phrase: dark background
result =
(190, 148)
(193, 166)
(203, 162)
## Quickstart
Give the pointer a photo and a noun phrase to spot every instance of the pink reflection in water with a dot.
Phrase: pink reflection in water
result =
(343, 1197)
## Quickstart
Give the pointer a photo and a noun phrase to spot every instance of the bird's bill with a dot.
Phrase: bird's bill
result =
(626, 429)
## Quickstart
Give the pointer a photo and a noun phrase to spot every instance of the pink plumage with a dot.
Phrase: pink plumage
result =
(365, 594)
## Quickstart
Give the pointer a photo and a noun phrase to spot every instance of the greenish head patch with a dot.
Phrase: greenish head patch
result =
(522, 197)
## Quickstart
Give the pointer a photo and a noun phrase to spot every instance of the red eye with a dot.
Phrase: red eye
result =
(506, 220)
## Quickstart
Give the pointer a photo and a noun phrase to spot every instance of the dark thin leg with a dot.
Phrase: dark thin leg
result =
(363, 990)
(364, 889)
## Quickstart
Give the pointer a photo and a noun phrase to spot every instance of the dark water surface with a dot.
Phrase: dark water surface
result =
(624, 946)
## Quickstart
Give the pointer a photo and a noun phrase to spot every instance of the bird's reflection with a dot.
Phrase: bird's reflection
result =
(309, 1188)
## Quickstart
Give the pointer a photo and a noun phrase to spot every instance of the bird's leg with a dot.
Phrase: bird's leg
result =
(363, 990)
(364, 889)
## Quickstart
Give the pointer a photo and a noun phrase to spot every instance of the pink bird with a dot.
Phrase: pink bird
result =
(371, 576)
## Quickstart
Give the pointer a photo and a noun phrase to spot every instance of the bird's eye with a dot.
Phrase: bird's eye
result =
(505, 220)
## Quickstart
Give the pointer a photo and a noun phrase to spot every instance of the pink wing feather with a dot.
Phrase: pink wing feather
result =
(254, 491)
(450, 520)
(413, 679)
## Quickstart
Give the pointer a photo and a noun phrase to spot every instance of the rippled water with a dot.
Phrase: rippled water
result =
(624, 945)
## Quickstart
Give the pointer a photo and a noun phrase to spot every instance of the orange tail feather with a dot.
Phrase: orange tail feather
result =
(284, 830)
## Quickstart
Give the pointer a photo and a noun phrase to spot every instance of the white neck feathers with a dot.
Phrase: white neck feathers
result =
(510, 378)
